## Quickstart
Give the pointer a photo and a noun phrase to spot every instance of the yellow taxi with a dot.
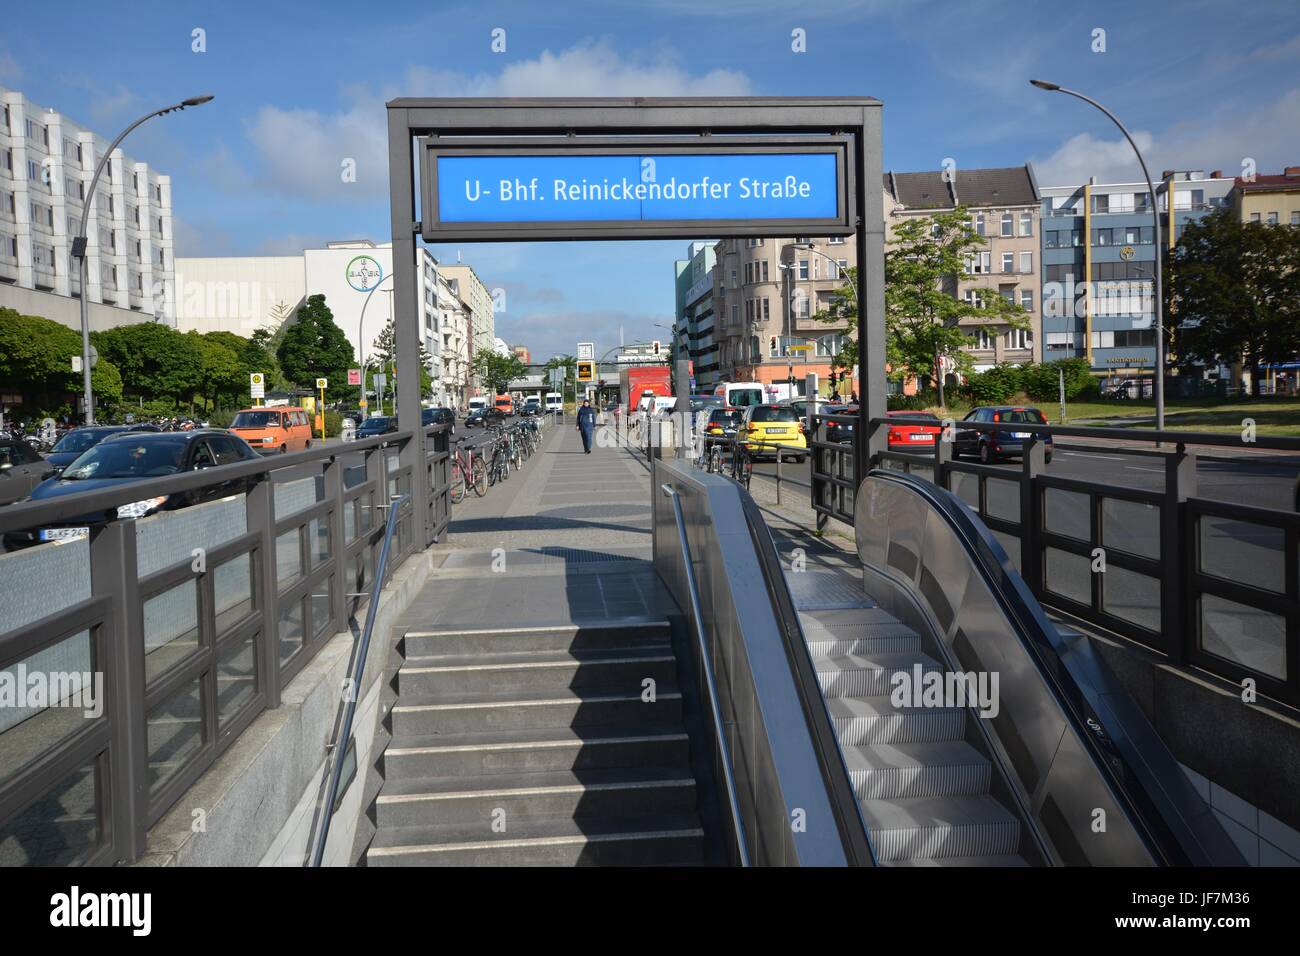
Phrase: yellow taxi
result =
(768, 426)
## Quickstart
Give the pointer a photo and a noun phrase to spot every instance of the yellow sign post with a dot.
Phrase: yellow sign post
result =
(586, 371)
(322, 384)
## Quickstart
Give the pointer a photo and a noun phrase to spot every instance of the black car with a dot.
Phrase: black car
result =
(377, 425)
(530, 408)
(485, 416)
(841, 432)
(136, 457)
(991, 445)
(438, 416)
(72, 445)
(21, 469)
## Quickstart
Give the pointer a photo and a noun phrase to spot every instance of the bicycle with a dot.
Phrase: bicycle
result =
(466, 463)
(499, 459)
(742, 465)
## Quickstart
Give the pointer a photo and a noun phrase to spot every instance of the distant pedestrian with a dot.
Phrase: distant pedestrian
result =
(586, 424)
(835, 397)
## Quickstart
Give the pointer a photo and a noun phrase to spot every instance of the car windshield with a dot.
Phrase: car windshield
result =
(744, 397)
(79, 440)
(928, 417)
(1023, 416)
(128, 459)
(726, 416)
(774, 413)
(256, 420)
(375, 424)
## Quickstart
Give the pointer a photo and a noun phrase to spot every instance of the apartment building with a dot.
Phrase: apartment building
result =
(766, 293)
(1098, 262)
(693, 324)
(1004, 205)
(46, 164)
(1269, 199)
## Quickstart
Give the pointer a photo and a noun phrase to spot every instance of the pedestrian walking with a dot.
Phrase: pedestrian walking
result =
(586, 424)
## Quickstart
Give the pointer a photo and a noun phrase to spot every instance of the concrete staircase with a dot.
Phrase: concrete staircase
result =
(534, 746)
(924, 790)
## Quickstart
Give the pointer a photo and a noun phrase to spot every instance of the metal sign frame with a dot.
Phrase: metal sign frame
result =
(692, 123)
(434, 147)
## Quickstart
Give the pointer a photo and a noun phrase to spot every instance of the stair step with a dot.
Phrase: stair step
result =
(940, 827)
(483, 800)
(838, 644)
(426, 642)
(533, 749)
(851, 675)
(522, 709)
(999, 860)
(610, 670)
(647, 841)
(928, 769)
(873, 720)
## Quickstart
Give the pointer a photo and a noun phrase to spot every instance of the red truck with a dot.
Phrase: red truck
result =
(641, 380)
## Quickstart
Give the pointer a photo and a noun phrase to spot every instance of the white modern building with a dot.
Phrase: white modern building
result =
(46, 163)
(244, 294)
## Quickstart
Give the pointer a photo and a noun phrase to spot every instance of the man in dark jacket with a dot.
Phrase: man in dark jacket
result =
(586, 424)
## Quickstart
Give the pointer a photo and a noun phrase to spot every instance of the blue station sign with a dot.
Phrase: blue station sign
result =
(581, 192)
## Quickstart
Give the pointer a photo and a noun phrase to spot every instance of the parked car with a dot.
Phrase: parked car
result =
(990, 446)
(913, 430)
(438, 416)
(773, 425)
(841, 432)
(273, 431)
(532, 406)
(377, 425)
(137, 457)
(21, 469)
(485, 415)
(70, 447)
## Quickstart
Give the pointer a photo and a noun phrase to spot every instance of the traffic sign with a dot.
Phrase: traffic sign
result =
(586, 350)
(257, 385)
(322, 383)
(586, 371)
(354, 376)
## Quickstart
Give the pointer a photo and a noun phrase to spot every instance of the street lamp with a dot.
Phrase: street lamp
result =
(1155, 215)
(361, 337)
(79, 242)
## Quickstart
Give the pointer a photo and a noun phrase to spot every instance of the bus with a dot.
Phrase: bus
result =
(740, 394)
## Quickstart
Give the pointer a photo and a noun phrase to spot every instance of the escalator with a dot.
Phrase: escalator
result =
(973, 730)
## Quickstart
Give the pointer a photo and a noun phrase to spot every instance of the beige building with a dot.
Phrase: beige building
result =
(479, 331)
(1005, 207)
(1271, 200)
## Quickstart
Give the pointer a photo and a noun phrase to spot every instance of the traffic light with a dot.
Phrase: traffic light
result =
(655, 347)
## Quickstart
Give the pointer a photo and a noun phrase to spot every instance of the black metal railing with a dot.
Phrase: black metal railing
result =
(192, 622)
(1202, 582)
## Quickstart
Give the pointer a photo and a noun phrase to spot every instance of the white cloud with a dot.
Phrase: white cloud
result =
(302, 151)
(1218, 140)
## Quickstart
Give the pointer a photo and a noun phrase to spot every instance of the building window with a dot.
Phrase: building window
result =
(980, 263)
(979, 225)
(733, 279)
(1101, 237)
(1027, 299)
(1101, 202)
(1008, 223)
(1008, 262)
(981, 340)
(1272, 219)
(1026, 262)
(1026, 223)
(803, 269)
(1019, 339)
(1050, 239)
(1254, 217)
(836, 240)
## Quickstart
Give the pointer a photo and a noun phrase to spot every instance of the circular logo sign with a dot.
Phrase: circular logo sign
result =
(1126, 253)
(364, 273)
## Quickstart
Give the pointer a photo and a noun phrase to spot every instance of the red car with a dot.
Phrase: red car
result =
(916, 433)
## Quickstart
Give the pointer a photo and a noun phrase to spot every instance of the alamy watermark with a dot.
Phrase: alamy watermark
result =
(21, 689)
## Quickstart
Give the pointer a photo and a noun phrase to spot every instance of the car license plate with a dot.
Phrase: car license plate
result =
(1020, 434)
(63, 534)
(775, 431)
(917, 437)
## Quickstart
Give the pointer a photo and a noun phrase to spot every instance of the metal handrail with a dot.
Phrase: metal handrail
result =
(738, 826)
(337, 747)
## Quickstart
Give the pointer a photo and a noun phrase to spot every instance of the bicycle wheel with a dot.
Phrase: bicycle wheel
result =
(457, 484)
(480, 475)
(715, 459)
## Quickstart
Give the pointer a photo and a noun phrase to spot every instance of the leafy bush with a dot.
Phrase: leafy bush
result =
(1042, 382)
(992, 387)
(926, 398)
(333, 424)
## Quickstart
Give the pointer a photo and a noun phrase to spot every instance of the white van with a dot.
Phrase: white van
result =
(476, 403)
(554, 403)
(740, 394)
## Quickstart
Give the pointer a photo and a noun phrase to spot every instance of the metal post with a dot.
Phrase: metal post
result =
(871, 303)
(682, 373)
(407, 323)
(259, 506)
(1177, 617)
(1032, 464)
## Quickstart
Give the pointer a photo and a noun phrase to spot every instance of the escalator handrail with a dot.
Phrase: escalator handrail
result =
(853, 830)
(1078, 682)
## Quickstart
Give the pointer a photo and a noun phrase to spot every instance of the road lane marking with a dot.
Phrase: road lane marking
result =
(1084, 454)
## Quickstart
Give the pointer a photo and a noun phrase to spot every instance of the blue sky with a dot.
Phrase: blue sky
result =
(300, 86)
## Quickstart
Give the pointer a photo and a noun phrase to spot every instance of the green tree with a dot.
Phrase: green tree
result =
(221, 373)
(155, 360)
(315, 347)
(497, 371)
(384, 351)
(36, 359)
(1235, 293)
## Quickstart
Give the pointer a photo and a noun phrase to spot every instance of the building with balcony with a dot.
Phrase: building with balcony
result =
(46, 164)
(1004, 207)
(1098, 257)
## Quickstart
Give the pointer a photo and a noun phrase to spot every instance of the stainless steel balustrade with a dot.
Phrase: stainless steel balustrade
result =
(1072, 743)
(1202, 582)
(795, 801)
(190, 651)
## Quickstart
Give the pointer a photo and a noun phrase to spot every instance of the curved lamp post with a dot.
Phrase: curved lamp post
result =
(361, 338)
(79, 242)
(1155, 215)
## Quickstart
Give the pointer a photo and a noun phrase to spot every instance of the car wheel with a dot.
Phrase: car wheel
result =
(1047, 458)
(307, 446)
(284, 449)
(986, 456)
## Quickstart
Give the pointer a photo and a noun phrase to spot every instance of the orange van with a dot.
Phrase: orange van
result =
(505, 404)
(274, 431)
